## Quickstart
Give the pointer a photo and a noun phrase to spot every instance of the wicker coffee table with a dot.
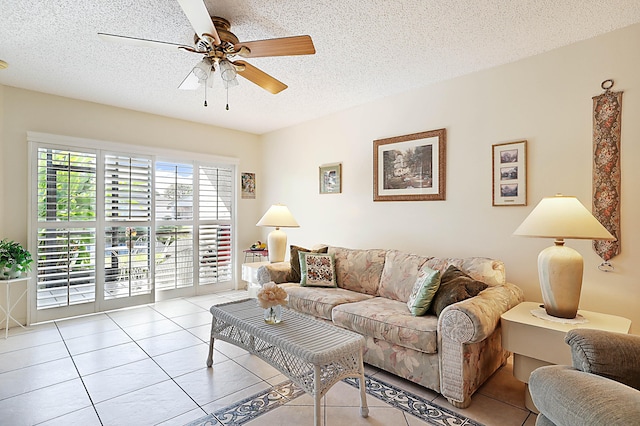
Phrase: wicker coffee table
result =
(313, 354)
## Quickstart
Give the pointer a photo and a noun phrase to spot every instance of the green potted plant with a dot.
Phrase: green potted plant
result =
(14, 259)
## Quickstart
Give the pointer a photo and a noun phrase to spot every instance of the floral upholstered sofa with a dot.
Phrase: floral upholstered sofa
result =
(453, 353)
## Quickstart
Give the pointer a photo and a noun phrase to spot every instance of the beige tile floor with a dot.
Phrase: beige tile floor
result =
(146, 366)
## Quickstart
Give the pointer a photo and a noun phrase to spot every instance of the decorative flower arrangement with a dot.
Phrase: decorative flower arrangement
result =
(271, 295)
(272, 298)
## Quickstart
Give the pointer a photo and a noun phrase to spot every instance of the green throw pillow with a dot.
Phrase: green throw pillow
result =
(317, 270)
(455, 286)
(424, 289)
(295, 260)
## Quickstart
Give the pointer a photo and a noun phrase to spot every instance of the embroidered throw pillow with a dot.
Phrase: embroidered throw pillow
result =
(455, 286)
(424, 289)
(295, 260)
(317, 270)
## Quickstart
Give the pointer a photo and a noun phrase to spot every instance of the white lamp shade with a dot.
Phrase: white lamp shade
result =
(562, 217)
(278, 216)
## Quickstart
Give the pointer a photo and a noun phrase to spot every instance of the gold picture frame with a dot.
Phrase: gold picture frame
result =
(509, 174)
(410, 167)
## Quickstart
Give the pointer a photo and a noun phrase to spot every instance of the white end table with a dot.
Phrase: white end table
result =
(8, 306)
(537, 342)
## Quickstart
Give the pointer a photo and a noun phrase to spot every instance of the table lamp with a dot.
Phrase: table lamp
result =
(277, 216)
(560, 267)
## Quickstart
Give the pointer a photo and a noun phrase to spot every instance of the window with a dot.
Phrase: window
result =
(174, 225)
(127, 212)
(66, 232)
(113, 226)
(215, 254)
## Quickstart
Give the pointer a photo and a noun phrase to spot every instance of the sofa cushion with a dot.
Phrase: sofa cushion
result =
(424, 290)
(295, 260)
(358, 270)
(399, 274)
(489, 271)
(455, 286)
(319, 302)
(317, 270)
(388, 320)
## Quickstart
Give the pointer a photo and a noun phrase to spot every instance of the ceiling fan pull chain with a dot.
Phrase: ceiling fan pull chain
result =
(205, 93)
(227, 97)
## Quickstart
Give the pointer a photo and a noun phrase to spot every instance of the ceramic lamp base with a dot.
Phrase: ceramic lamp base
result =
(560, 272)
(277, 245)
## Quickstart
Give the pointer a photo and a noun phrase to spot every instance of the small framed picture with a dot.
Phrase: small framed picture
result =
(248, 185)
(510, 174)
(331, 178)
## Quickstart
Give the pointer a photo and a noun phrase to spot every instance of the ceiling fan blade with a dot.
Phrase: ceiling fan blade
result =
(134, 41)
(287, 46)
(259, 77)
(190, 82)
(198, 15)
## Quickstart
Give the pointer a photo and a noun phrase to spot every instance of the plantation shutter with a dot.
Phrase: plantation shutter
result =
(112, 226)
(127, 182)
(215, 231)
(66, 200)
(174, 225)
(174, 191)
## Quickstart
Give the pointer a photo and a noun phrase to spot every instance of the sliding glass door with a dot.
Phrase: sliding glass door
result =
(116, 229)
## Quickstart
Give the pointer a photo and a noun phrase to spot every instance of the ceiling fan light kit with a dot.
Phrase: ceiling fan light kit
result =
(214, 40)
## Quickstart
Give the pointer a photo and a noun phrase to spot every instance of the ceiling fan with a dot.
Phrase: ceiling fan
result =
(217, 45)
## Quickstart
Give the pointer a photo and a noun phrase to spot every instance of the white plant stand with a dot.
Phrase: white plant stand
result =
(8, 308)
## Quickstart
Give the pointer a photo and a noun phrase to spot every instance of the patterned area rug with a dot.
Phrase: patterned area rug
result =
(263, 402)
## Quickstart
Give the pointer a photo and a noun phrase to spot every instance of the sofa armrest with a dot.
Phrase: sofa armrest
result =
(570, 397)
(469, 342)
(277, 272)
(612, 355)
(473, 320)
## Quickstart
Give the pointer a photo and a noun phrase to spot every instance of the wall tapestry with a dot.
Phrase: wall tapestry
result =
(607, 115)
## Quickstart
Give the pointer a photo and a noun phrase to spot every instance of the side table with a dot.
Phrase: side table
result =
(537, 342)
(250, 275)
(8, 306)
(253, 254)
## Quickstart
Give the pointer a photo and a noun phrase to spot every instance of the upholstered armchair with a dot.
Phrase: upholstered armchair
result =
(602, 388)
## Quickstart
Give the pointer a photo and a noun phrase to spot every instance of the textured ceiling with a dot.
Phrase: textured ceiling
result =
(365, 50)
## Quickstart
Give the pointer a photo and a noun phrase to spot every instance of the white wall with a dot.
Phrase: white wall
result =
(23, 110)
(545, 100)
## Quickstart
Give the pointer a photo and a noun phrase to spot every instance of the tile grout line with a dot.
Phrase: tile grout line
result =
(79, 376)
(159, 366)
(156, 362)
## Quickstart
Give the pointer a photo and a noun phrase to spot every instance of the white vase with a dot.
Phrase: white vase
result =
(11, 273)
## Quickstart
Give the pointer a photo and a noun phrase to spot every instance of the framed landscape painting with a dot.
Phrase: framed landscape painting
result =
(410, 167)
(510, 174)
